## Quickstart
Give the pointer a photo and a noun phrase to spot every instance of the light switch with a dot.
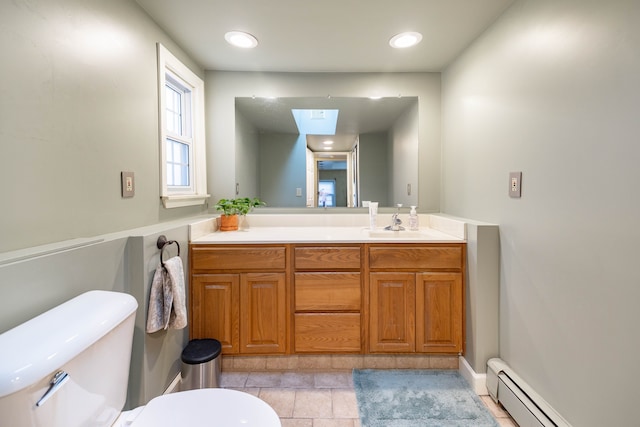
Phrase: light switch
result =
(298, 192)
(515, 183)
(128, 185)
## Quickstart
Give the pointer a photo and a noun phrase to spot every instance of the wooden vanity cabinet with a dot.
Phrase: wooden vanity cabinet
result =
(327, 299)
(416, 298)
(238, 296)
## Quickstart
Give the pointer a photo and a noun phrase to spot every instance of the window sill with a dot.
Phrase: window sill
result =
(179, 201)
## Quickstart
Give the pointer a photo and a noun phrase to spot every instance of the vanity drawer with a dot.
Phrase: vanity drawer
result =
(327, 291)
(416, 258)
(327, 258)
(239, 258)
(327, 332)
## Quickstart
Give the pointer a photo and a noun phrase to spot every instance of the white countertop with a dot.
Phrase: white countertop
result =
(326, 235)
(332, 228)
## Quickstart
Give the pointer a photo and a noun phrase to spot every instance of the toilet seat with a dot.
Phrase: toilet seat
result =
(207, 407)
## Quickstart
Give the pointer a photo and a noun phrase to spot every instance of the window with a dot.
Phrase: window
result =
(182, 145)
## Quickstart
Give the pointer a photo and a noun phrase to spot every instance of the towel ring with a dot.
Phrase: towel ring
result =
(162, 243)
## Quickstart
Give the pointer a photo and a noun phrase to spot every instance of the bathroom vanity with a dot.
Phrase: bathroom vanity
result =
(329, 290)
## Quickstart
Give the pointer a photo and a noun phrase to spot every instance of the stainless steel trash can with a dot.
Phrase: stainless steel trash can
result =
(201, 364)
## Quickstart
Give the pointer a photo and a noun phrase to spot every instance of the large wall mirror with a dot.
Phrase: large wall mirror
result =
(327, 152)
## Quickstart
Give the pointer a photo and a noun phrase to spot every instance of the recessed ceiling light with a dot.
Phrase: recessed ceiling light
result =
(328, 148)
(328, 142)
(241, 39)
(407, 39)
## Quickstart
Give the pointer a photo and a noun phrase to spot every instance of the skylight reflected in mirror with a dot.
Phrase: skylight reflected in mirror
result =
(316, 122)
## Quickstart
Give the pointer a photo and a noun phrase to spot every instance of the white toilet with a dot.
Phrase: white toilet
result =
(69, 367)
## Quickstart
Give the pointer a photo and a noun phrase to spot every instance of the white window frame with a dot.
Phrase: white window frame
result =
(196, 192)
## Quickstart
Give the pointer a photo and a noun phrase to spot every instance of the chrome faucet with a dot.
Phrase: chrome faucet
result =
(395, 220)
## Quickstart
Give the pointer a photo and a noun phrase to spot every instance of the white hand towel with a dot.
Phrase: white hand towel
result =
(167, 302)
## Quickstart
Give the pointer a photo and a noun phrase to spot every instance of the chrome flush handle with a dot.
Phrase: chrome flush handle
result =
(57, 381)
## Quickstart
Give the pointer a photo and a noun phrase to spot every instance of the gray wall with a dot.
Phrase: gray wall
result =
(374, 168)
(405, 159)
(282, 160)
(222, 87)
(551, 89)
(248, 159)
(482, 294)
(79, 105)
(33, 283)
(156, 358)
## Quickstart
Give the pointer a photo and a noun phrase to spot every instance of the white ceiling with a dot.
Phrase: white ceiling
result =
(327, 35)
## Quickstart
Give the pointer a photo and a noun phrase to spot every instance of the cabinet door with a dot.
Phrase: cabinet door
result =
(214, 314)
(263, 313)
(392, 312)
(439, 307)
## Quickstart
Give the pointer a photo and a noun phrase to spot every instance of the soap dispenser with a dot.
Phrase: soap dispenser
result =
(413, 219)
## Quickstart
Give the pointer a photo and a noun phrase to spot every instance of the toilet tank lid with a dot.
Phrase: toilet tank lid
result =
(42, 345)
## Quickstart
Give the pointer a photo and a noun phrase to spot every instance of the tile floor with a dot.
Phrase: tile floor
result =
(315, 399)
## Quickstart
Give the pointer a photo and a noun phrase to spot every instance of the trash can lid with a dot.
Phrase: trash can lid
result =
(201, 351)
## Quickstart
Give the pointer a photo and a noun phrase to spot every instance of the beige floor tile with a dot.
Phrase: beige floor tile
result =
(313, 404)
(333, 380)
(263, 379)
(327, 422)
(328, 399)
(281, 400)
(233, 379)
(297, 380)
(344, 403)
(296, 422)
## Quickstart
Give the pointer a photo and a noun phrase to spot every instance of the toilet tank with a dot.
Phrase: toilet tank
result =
(85, 344)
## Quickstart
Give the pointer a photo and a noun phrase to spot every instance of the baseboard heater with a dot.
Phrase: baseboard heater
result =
(524, 405)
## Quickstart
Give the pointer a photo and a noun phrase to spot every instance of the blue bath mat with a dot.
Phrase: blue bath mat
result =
(418, 398)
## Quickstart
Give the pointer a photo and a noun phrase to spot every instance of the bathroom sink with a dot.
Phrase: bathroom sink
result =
(406, 234)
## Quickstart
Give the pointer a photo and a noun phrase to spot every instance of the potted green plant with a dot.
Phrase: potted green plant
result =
(231, 208)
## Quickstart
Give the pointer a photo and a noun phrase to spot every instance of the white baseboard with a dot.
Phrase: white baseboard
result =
(478, 382)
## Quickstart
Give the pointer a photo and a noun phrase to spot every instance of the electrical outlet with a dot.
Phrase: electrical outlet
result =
(298, 192)
(515, 184)
(128, 188)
